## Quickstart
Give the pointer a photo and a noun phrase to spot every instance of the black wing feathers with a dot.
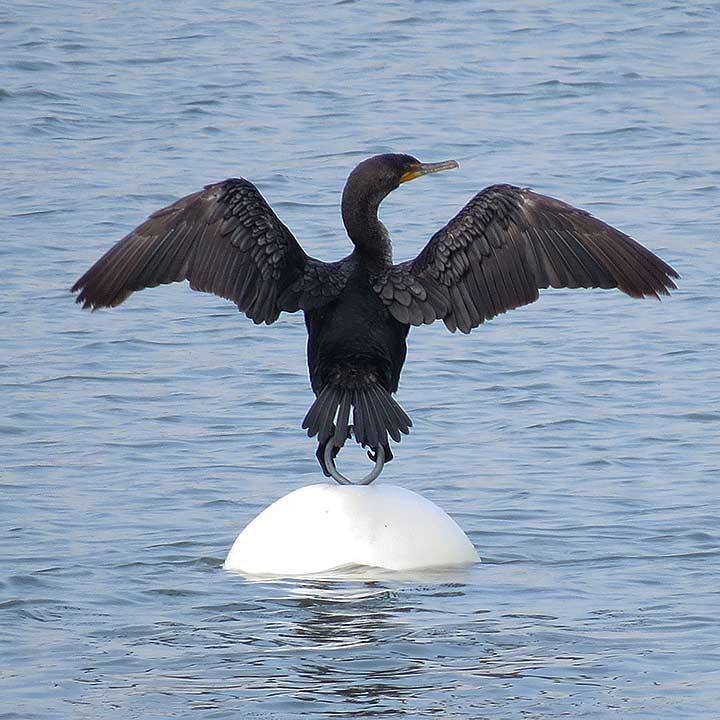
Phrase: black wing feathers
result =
(225, 240)
(505, 245)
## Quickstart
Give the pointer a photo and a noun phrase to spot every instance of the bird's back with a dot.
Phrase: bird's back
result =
(354, 339)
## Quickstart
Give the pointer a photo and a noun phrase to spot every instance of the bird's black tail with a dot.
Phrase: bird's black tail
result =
(375, 415)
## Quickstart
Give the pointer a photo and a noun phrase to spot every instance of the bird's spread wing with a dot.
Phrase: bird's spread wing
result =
(505, 245)
(225, 240)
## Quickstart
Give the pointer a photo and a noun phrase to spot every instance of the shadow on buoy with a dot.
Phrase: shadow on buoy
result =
(322, 528)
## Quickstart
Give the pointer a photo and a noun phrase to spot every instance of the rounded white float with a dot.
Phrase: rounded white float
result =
(327, 527)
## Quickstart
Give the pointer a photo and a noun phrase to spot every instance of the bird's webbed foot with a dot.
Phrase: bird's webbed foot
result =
(388, 454)
(320, 454)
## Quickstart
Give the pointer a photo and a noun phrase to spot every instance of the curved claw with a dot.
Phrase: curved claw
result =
(329, 457)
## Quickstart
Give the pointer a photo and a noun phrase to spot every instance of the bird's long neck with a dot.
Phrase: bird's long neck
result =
(369, 235)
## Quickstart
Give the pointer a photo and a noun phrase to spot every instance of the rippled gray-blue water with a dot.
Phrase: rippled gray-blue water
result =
(575, 440)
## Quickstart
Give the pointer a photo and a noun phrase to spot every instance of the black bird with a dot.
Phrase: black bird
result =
(494, 255)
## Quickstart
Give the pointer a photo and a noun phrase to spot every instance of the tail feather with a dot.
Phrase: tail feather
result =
(375, 415)
(358, 420)
(320, 416)
(384, 412)
(402, 419)
(396, 419)
(343, 419)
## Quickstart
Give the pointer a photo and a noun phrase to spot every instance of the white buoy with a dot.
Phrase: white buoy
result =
(326, 527)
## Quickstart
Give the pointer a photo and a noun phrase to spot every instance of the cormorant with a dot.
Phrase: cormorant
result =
(494, 255)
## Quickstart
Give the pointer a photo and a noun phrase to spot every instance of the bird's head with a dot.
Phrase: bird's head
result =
(372, 180)
(379, 175)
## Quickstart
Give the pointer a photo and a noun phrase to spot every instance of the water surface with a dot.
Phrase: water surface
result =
(575, 440)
